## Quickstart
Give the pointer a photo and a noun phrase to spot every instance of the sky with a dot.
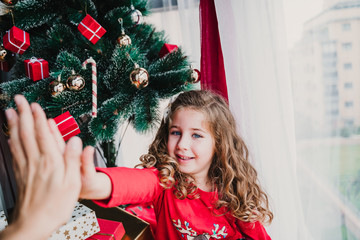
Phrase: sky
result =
(296, 13)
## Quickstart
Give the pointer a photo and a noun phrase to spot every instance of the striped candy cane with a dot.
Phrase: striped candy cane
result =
(94, 84)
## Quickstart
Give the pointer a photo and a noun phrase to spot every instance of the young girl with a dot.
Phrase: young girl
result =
(196, 174)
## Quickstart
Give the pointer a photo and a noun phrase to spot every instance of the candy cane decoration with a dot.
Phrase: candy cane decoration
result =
(94, 84)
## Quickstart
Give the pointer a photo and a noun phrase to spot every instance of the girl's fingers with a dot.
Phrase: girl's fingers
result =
(72, 156)
(87, 161)
(57, 135)
(26, 128)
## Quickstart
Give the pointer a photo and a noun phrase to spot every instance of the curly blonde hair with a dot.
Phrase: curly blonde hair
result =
(230, 173)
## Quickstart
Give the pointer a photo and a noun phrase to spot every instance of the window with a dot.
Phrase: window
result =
(323, 33)
(329, 63)
(329, 47)
(330, 74)
(349, 122)
(348, 85)
(332, 112)
(346, 27)
(349, 104)
(347, 46)
(162, 3)
(347, 66)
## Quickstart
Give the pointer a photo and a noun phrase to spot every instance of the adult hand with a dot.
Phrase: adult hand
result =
(47, 173)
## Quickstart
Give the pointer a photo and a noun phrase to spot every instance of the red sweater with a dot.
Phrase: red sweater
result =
(176, 219)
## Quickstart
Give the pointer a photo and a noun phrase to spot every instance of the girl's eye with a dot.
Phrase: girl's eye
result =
(177, 133)
(196, 135)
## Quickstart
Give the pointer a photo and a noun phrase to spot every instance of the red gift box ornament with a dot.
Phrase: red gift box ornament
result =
(67, 125)
(109, 230)
(16, 40)
(36, 69)
(91, 29)
(166, 49)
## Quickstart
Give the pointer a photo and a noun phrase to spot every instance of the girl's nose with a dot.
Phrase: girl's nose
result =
(183, 143)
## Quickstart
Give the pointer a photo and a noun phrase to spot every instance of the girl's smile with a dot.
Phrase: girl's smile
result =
(183, 158)
(191, 143)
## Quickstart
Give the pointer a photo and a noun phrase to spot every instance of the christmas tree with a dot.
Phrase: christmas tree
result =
(135, 68)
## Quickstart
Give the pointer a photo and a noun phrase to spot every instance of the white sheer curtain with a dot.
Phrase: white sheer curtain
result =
(253, 40)
(256, 64)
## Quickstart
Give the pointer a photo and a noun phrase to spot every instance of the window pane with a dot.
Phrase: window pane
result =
(348, 66)
(162, 3)
(327, 114)
(346, 26)
(347, 46)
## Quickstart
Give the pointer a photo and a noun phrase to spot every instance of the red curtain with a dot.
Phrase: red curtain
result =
(212, 62)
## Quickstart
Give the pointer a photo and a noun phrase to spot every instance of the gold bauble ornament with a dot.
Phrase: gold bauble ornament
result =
(56, 88)
(75, 82)
(3, 53)
(139, 77)
(9, 2)
(124, 40)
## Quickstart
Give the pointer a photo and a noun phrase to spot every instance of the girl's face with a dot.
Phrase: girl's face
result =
(191, 143)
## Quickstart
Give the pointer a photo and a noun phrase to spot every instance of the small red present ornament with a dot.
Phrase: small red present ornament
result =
(91, 29)
(16, 40)
(67, 125)
(36, 69)
(109, 230)
(166, 49)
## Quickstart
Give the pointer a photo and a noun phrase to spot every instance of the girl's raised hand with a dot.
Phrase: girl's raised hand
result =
(95, 185)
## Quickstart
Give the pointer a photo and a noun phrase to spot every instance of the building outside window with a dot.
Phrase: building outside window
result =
(328, 136)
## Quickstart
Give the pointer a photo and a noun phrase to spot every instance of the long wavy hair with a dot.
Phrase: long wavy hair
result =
(230, 173)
